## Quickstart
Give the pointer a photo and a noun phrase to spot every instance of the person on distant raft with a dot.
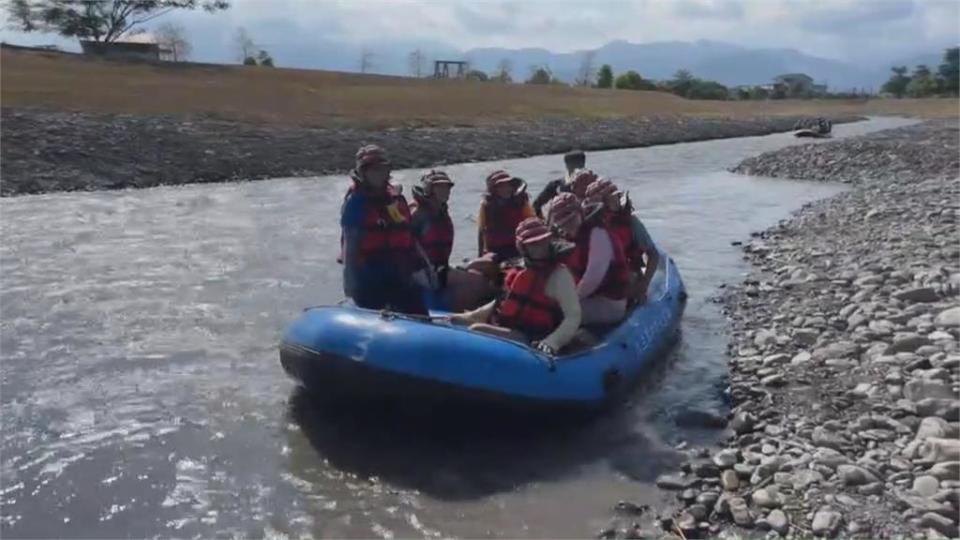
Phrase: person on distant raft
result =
(380, 258)
(432, 226)
(642, 255)
(597, 263)
(538, 301)
(572, 160)
(504, 206)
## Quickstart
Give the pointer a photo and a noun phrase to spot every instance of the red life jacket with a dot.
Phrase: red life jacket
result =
(524, 306)
(383, 235)
(620, 226)
(617, 279)
(436, 236)
(500, 221)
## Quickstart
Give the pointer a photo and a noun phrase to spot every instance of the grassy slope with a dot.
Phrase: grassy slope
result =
(316, 98)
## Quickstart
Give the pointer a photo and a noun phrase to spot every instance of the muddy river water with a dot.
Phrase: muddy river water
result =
(141, 393)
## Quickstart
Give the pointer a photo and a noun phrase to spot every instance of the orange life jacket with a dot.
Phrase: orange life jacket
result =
(386, 234)
(617, 279)
(523, 305)
(500, 221)
(620, 226)
(436, 238)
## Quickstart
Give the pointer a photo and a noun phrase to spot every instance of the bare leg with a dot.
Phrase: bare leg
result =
(499, 331)
(467, 290)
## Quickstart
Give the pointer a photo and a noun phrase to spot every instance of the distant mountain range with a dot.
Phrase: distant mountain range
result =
(726, 63)
(722, 62)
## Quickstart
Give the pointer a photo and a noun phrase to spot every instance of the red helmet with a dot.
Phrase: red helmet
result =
(598, 191)
(581, 179)
(531, 230)
(371, 154)
(434, 178)
(562, 208)
(498, 177)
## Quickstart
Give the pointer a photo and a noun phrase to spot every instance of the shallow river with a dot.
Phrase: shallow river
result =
(142, 395)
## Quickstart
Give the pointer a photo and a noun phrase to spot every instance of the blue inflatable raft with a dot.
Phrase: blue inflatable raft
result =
(357, 353)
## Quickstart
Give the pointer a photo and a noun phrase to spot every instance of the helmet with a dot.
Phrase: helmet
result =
(371, 154)
(581, 179)
(598, 191)
(498, 177)
(434, 178)
(562, 208)
(531, 230)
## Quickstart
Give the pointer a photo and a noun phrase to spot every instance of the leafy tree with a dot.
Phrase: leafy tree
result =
(605, 77)
(897, 83)
(700, 89)
(98, 20)
(249, 61)
(632, 80)
(922, 83)
(264, 58)
(949, 71)
(540, 75)
(681, 83)
(476, 75)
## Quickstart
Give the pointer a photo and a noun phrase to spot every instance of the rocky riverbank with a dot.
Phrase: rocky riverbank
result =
(845, 364)
(45, 151)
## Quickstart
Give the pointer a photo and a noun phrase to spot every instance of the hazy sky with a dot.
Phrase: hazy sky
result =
(852, 30)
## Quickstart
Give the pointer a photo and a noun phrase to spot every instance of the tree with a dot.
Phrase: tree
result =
(605, 77)
(585, 73)
(476, 75)
(922, 83)
(632, 80)
(366, 60)
(264, 58)
(415, 60)
(540, 75)
(173, 37)
(249, 61)
(98, 20)
(504, 72)
(949, 71)
(245, 46)
(681, 83)
(897, 83)
(759, 92)
(701, 89)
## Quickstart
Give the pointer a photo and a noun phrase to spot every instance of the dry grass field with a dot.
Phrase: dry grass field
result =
(320, 98)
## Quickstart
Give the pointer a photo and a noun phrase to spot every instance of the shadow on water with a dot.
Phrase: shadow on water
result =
(460, 454)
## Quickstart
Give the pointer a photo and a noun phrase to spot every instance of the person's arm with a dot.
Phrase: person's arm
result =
(479, 315)
(351, 235)
(549, 191)
(598, 262)
(528, 212)
(481, 223)
(560, 287)
(643, 239)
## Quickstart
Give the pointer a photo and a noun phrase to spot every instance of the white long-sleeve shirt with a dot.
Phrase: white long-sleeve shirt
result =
(559, 286)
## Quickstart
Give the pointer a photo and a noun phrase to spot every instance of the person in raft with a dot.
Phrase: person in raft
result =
(430, 219)
(597, 262)
(380, 259)
(642, 255)
(538, 302)
(504, 206)
(572, 160)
